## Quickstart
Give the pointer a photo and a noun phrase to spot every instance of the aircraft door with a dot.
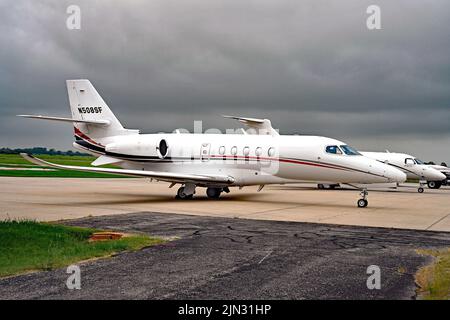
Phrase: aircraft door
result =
(204, 151)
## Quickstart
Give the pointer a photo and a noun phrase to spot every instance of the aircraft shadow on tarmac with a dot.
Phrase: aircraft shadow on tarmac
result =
(402, 189)
(129, 199)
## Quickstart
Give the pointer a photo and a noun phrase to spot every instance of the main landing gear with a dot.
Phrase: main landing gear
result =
(214, 192)
(187, 192)
(434, 184)
(362, 203)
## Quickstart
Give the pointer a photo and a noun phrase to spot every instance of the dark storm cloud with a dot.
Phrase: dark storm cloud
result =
(311, 66)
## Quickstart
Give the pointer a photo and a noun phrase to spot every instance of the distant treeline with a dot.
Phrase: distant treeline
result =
(41, 150)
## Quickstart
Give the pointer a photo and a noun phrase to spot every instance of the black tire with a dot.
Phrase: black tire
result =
(434, 184)
(180, 194)
(362, 203)
(420, 190)
(320, 186)
(213, 193)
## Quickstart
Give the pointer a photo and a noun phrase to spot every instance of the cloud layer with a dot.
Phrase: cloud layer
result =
(310, 66)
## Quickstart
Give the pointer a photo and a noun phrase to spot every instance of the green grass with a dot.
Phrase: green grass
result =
(28, 246)
(16, 161)
(434, 279)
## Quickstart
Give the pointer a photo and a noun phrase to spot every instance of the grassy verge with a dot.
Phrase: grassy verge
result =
(15, 161)
(434, 279)
(28, 246)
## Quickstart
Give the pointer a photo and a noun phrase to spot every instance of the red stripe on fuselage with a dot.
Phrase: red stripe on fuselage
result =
(281, 160)
(83, 136)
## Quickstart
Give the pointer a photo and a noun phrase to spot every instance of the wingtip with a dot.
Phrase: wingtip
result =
(26, 156)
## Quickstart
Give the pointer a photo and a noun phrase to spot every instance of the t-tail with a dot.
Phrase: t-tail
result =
(93, 120)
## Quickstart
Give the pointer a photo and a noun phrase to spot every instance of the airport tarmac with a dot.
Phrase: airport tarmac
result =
(224, 258)
(49, 199)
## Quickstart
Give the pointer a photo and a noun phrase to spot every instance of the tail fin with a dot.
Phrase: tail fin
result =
(87, 105)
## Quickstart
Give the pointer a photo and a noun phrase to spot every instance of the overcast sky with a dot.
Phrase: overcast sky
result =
(311, 66)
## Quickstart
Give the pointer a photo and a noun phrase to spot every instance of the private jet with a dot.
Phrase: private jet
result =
(217, 162)
(410, 165)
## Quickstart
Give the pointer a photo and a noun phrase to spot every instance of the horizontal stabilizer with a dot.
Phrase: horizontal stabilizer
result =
(102, 160)
(93, 122)
(158, 175)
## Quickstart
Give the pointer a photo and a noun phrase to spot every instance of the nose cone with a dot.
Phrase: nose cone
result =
(432, 174)
(385, 172)
(394, 175)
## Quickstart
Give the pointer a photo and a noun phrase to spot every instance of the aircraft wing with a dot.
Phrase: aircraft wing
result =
(158, 175)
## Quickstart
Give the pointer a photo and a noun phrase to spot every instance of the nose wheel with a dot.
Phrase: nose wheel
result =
(420, 190)
(362, 203)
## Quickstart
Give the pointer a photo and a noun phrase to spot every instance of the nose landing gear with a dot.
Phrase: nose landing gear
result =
(420, 189)
(362, 203)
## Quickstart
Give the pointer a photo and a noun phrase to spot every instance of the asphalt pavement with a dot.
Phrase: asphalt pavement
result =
(226, 258)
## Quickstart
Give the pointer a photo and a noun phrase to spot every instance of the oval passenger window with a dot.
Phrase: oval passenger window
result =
(163, 148)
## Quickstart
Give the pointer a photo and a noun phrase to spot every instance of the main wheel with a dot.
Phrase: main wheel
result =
(362, 203)
(181, 194)
(434, 184)
(320, 186)
(213, 193)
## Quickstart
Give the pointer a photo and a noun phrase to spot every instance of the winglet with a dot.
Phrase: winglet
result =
(262, 126)
(32, 159)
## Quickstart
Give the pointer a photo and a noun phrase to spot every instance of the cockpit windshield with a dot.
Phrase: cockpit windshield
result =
(418, 161)
(350, 151)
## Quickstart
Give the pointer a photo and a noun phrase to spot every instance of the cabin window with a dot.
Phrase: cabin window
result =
(246, 151)
(409, 161)
(333, 150)
(271, 152)
(258, 151)
(234, 150)
(222, 150)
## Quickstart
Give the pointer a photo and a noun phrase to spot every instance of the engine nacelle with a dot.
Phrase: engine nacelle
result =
(150, 147)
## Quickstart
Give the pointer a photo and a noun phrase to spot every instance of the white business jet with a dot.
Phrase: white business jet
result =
(439, 183)
(214, 161)
(413, 167)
